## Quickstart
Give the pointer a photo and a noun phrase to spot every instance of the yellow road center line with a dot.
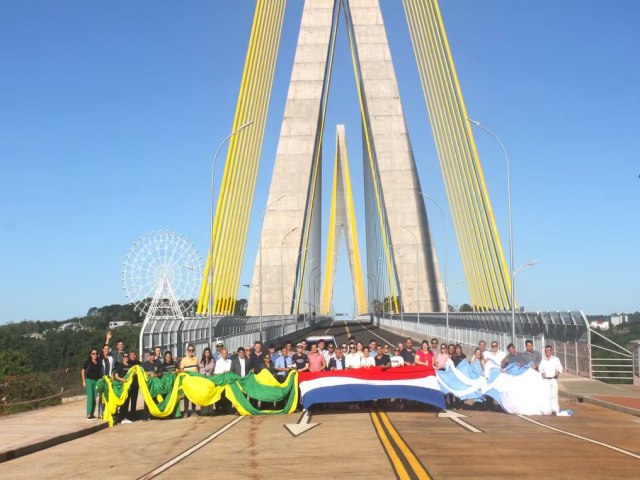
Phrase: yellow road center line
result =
(398, 466)
(417, 467)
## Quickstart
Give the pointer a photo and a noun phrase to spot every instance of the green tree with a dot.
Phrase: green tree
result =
(14, 362)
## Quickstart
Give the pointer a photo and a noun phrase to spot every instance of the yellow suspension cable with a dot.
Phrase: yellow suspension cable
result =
(244, 179)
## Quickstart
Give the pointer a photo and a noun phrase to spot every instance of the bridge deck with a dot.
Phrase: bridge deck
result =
(595, 442)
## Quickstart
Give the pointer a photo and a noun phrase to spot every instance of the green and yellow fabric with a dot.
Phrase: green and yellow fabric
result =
(162, 395)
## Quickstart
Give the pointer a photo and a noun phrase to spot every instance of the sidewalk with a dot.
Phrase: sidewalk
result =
(623, 398)
(25, 433)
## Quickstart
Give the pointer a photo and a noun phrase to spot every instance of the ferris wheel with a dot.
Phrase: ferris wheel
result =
(162, 267)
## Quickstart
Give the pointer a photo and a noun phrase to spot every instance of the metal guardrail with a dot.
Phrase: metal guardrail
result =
(613, 363)
(175, 335)
(568, 332)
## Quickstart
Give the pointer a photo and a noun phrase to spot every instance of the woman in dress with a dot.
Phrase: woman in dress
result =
(91, 373)
(206, 367)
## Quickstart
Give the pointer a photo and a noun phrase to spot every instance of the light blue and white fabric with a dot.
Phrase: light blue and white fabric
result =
(519, 389)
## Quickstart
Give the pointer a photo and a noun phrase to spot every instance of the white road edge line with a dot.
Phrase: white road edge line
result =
(186, 453)
(602, 444)
(330, 327)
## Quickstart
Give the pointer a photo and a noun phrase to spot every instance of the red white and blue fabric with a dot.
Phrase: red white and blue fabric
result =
(416, 383)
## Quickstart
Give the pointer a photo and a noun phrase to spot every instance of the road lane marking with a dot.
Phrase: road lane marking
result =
(396, 463)
(457, 417)
(404, 462)
(346, 326)
(303, 425)
(417, 467)
(580, 437)
(167, 465)
(330, 326)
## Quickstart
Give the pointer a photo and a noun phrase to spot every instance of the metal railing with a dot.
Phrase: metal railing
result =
(233, 331)
(613, 363)
(567, 332)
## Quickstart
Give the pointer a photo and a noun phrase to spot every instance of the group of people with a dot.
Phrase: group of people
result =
(316, 357)
(485, 360)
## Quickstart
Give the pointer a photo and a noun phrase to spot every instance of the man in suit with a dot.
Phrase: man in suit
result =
(240, 364)
(337, 362)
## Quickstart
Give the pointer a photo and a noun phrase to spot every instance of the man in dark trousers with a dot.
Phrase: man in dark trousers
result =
(122, 368)
(153, 367)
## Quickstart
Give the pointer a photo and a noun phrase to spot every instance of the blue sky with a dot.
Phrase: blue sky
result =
(110, 113)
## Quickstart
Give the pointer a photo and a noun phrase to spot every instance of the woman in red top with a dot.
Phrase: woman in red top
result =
(424, 356)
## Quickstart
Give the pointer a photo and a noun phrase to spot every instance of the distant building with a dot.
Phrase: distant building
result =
(619, 319)
(37, 336)
(114, 325)
(601, 324)
(73, 326)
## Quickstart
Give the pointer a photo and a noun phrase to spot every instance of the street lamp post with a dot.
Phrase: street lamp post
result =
(417, 278)
(213, 171)
(528, 264)
(260, 266)
(282, 272)
(513, 287)
(446, 264)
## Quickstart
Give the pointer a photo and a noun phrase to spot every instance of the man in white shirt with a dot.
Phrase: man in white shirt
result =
(495, 355)
(352, 359)
(550, 368)
(223, 364)
(482, 345)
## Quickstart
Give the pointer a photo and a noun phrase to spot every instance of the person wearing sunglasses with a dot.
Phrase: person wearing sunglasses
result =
(353, 359)
(91, 373)
(299, 360)
(494, 356)
(434, 347)
(122, 368)
(189, 363)
(441, 359)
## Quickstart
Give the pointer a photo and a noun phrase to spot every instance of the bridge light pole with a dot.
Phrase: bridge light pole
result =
(513, 287)
(446, 264)
(528, 264)
(417, 278)
(282, 273)
(213, 171)
(260, 269)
